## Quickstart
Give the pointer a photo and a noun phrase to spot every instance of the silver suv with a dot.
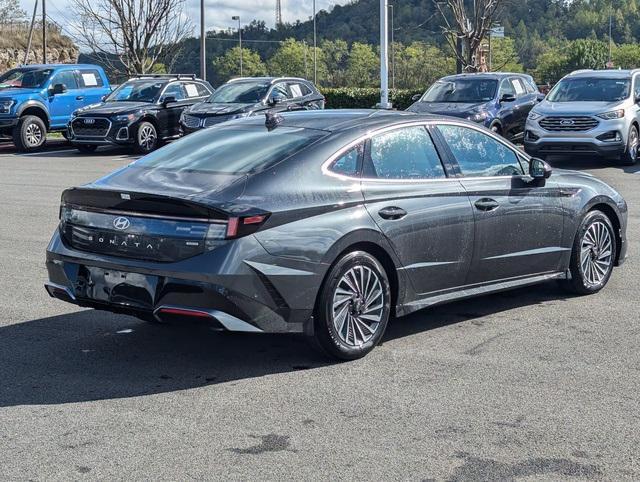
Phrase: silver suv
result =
(588, 112)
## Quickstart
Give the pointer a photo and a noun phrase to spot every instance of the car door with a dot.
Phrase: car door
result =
(525, 100)
(169, 114)
(518, 222)
(62, 105)
(91, 87)
(508, 112)
(425, 215)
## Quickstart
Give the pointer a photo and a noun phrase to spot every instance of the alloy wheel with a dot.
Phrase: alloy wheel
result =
(147, 137)
(358, 305)
(596, 253)
(633, 144)
(33, 135)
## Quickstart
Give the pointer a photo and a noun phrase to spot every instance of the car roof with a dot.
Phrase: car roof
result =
(269, 80)
(604, 73)
(342, 120)
(58, 66)
(485, 75)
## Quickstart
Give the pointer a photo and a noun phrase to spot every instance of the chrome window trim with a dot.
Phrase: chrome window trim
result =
(425, 123)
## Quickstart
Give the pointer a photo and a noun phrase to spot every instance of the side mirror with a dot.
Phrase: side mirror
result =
(507, 98)
(538, 169)
(168, 100)
(58, 89)
(276, 99)
(540, 97)
(416, 97)
(637, 99)
(103, 98)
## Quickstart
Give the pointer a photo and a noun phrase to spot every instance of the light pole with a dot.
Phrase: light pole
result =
(237, 17)
(203, 44)
(384, 55)
(393, 53)
(315, 52)
(610, 8)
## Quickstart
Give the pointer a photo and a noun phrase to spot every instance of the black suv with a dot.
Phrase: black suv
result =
(141, 113)
(250, 96)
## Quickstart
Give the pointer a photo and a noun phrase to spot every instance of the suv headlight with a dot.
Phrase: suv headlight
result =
(125, 118)
(5, 106)
(614, 114)
(477, 116)
(534, 115)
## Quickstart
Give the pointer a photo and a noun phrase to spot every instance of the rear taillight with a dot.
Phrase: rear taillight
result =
(235, 227)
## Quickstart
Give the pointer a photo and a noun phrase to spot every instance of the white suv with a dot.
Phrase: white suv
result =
(588, 112)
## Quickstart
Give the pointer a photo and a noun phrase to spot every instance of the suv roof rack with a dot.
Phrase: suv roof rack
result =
(165, 76)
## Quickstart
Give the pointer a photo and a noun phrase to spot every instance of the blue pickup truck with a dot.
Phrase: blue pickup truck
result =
(36, 99)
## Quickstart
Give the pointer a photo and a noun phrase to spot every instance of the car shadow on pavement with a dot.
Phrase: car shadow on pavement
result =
(92, 355)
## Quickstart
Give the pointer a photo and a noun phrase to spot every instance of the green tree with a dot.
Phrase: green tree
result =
(228, 65)
(419, 64)
(626, 56)
(363, 66)
(587, 54)
(504, 56)
(336, 57)
(551, 66)
(295, 58)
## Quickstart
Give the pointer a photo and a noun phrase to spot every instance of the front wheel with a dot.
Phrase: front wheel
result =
(353, 307)
(630, 155)
(30, 134)
(146, 138)
(593, 255)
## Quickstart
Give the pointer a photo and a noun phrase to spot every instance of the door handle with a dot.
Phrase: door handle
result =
(486, 204)
(392, 212)
(80, 97)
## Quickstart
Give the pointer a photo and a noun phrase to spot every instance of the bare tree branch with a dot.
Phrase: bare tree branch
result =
(132, 35)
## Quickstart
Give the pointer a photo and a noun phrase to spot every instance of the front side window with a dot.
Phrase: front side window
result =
(233, 150)
(406, 153)
(636, 91)
(137, 91)
(462, 90)
(240, 93)
(280, 90)
(67, 78)
(174, 90)
(478, 154)
(25, 78)
(590, 89)
(506, 88)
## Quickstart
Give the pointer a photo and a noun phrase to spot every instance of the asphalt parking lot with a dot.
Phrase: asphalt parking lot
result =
(529, 384)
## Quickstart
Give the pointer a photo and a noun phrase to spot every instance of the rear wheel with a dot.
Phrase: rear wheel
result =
(593, 255)
(146, 138)
(86, 148)
(353, 307)
(630, 155)
(30, 134)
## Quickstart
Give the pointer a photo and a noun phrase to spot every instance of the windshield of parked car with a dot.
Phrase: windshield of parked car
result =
(25, 78)
(240, 93)
(462, 90)
(231, 150)
(137, 91)
(590, 89)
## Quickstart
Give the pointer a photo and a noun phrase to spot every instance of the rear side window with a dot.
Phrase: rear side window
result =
(478, 154)
(67, 77)
(406, 153)
(90, 79)
(348, 163)
(195, 90)
(299, 89)
(518, 87)
(231, 150)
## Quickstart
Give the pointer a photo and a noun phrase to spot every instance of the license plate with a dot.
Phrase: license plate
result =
(117, 287)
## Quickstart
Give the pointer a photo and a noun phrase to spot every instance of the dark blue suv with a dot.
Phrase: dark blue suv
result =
(37, 99)
(500, 101)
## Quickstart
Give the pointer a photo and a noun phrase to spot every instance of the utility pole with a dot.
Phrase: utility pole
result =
(44, 31)
(33, 23)
(610, 8)
(393, 53)
(315, 46)
(384, 55)
(237, 17)
(306, 71)
(203, 44)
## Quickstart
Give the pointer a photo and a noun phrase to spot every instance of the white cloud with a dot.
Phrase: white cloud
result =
(218, 12)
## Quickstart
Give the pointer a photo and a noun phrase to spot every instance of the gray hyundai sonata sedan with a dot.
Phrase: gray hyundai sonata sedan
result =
(328, 223)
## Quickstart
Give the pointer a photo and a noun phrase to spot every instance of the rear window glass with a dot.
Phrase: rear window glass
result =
(231, 150)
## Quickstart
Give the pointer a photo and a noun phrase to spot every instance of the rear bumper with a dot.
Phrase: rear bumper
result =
(239, 287)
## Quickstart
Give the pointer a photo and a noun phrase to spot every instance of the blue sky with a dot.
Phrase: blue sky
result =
(219, 12)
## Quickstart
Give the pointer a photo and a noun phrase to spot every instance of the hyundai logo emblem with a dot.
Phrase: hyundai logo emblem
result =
(566, 122)
(89, 121)
(121, 223)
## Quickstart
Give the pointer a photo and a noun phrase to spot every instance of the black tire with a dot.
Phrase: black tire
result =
(30, 134)
(146, 138)
(588, 276)
(86, 148)
(356, 336)
(630, 156)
